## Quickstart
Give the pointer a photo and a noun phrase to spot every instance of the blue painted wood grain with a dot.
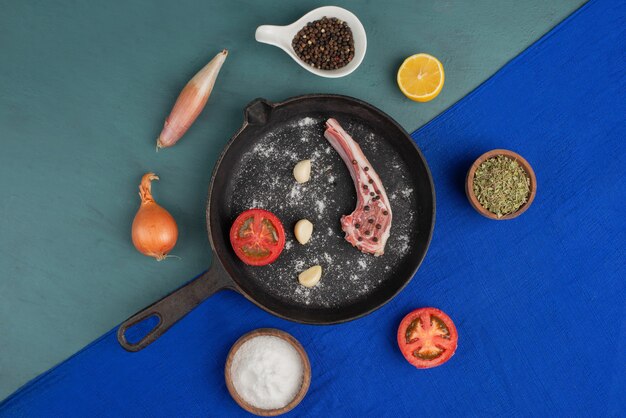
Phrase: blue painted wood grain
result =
(84, 89)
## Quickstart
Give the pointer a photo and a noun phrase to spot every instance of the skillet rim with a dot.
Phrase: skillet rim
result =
(217, 256)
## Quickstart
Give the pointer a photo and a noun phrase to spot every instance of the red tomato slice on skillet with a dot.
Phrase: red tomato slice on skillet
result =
(258, 237)
(427, 337)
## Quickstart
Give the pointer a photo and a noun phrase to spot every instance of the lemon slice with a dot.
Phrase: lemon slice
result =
(421, 77)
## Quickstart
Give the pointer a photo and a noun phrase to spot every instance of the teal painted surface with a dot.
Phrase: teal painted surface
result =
(84, 89)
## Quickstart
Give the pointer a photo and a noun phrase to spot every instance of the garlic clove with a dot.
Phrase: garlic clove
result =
(302, 171)
(311, 276)
(303, 231)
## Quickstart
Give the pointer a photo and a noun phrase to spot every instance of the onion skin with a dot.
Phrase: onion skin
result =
(154, 230)
(190, 102)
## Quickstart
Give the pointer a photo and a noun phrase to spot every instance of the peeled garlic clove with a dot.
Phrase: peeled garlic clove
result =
(302, 171)
(311, 276)
(303, 231)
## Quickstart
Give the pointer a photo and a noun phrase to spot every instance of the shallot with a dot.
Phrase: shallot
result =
(190, 102)
(154, 230)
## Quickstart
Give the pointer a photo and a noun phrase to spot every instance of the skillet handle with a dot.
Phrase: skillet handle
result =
(257, 112)
(175, 306)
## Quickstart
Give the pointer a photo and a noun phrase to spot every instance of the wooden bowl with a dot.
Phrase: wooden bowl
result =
(469, 184)
(306, 373)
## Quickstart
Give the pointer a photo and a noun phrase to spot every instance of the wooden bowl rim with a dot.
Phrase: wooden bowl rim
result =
(469, 184)
(306, 374)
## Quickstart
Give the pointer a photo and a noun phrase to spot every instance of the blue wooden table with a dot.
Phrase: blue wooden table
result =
(84, 89)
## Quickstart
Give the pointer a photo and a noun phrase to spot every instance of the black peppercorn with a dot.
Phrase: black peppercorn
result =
(326, 43)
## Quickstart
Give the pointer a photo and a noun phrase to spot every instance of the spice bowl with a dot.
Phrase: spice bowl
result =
(302, 355)
(469, 183)
(281, 36)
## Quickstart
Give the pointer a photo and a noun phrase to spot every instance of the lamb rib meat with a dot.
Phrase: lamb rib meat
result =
(367, 228)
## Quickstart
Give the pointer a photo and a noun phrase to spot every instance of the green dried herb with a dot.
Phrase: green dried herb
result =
(501, 185)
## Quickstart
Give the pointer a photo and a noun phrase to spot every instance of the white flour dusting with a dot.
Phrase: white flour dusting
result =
(307, 122)
(348, 275)
(406, 192)
(320, 205)
(299, 265)
(296, 191)
(263, 150)
(403, 243)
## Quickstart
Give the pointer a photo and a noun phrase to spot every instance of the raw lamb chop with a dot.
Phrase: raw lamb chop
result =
(367, 228)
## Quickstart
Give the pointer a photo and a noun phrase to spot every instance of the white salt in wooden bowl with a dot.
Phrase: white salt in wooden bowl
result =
(306, 372)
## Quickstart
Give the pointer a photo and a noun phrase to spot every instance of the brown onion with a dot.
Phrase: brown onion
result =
(154, 230)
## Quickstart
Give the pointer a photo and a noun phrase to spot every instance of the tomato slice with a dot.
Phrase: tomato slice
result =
(427, 337)
(258, 237)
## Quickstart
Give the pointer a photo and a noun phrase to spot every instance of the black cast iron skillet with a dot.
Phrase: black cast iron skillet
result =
(255, 170)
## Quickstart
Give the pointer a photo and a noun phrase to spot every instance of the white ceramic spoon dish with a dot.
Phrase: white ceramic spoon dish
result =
(281, 36)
